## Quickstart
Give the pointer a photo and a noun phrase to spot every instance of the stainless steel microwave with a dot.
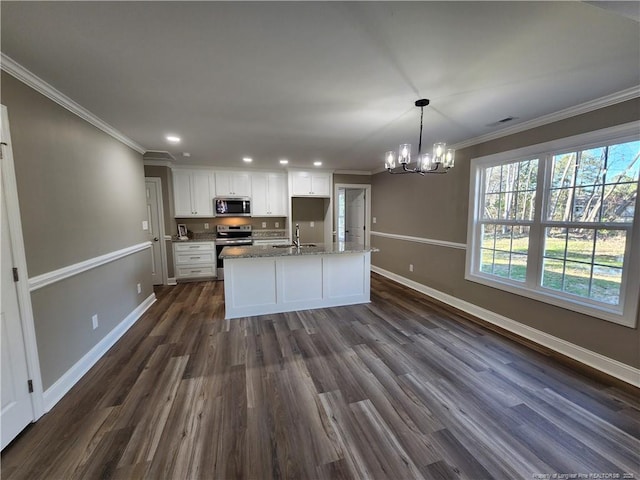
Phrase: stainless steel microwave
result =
(232, 206)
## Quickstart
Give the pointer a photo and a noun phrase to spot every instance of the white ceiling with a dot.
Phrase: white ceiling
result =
(330, 81)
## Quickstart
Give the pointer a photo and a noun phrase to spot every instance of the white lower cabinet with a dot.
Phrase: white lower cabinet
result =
(194, 260)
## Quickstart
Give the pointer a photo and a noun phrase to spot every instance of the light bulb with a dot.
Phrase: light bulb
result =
(404, 153)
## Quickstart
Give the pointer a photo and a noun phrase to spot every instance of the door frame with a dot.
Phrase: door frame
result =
(161, 228)
(20, 261)
(367, 206)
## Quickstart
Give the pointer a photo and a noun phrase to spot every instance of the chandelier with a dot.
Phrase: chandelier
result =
(439, 162)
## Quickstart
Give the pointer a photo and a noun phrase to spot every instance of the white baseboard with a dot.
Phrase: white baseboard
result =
(59, 389)
(595, 360)
(172, 281)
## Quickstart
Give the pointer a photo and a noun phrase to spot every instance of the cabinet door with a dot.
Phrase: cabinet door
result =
(321, 184)
(311, 184)
(259, 196)
(223, 184)
(202, 194)
(301, 183)
(277, 200)
(236, 184)
(241, 184)
(182, 193)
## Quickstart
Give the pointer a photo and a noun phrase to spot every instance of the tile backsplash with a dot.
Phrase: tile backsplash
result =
(197, 225)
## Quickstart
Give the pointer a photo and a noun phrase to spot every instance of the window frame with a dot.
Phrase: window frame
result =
(625, 313)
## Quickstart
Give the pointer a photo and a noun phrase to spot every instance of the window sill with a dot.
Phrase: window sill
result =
(613, 314)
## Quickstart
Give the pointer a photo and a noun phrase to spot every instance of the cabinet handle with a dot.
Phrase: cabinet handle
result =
(195, 246)
(196, 271)
(195, 258)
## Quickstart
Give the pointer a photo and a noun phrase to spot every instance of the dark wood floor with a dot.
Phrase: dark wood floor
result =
(398, 388)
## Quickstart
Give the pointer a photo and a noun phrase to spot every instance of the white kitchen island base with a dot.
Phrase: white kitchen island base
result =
(260, 285)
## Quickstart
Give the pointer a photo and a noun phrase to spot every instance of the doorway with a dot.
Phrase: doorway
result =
(155, 219)
(353, 208)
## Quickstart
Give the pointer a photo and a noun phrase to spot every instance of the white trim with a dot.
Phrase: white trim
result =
(607, 101)
(607, 365)
(55, 392)
(367, 219)
(27, 77)
(157, 163)
(48, 278)
(20, 259)
(172, 281)
(429, 241)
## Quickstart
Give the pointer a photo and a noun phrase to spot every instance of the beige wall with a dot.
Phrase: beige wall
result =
(436, 207)
(350, 178)
(81, 195)
(304, 211)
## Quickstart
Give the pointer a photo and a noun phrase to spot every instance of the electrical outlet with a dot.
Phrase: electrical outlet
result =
(411, 267)
(94, 321)
(312, 224)
(206, 226)
(264, 224)
(145, 225)
(139, 289)
(277, 224)
(375, 220)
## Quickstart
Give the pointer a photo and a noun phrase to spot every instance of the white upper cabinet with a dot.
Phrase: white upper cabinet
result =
(314, 184)
(269, 194)
(236, 184)
(193, 192)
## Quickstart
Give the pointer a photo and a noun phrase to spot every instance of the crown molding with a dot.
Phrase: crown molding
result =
(618, 97)
(157, 163)
(27, 77)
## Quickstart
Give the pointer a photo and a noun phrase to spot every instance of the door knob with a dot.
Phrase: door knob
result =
(155, 239)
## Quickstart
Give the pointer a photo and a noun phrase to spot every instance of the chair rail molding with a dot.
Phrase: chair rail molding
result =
(429, 241)
(54, 276)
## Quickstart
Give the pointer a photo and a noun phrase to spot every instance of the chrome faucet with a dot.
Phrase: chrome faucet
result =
(296, 240)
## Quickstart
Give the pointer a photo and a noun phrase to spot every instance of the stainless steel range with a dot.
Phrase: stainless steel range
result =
(231, 235)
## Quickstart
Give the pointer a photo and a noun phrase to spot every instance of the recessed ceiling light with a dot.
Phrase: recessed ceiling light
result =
(317, 163)
(173, 138)
(284, 162)
(186, 154)
(247, 159)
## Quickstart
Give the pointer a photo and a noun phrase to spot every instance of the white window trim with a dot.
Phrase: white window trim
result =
(624, 314)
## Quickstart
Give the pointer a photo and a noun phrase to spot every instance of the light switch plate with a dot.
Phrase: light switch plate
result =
(206, 226)
(145, 225)
(264, 224)
(374, 219)
(277, 224)
(312, 224)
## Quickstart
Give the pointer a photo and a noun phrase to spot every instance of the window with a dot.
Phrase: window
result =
(558, 222)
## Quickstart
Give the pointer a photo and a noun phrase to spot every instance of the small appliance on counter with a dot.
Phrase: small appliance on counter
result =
(232, 206)
(231, 235)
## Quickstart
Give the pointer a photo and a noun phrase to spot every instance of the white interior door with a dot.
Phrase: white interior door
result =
(355, 215)
(154, 217)
(16, 410)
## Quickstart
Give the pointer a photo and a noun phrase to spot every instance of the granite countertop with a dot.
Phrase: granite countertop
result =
(197, 237)
(256, 251)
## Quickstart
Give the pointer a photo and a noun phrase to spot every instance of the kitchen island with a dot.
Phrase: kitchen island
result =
(263, 279)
